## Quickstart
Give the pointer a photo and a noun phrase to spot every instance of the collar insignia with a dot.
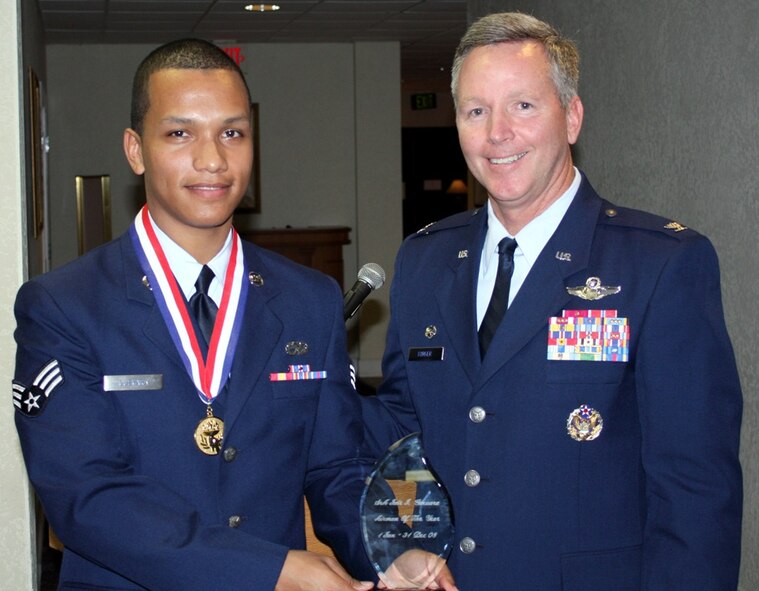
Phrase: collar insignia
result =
(676, 226)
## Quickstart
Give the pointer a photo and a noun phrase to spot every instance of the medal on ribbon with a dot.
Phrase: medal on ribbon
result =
(209, 375)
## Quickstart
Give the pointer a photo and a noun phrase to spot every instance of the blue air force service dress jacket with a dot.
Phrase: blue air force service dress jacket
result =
(132, 498)
(596, 445)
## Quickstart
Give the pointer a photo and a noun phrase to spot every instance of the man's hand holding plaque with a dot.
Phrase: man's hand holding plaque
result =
(417, 569)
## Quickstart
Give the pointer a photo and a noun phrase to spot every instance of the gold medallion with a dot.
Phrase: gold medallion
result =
(209, 433)
(584, 423)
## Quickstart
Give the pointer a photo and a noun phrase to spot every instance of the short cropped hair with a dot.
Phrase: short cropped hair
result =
(504, 27)
(183, 54)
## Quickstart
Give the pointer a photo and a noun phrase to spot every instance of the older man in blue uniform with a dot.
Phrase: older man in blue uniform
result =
(566, 360)
(178, 390)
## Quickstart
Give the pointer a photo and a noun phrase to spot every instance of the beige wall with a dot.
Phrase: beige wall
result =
(16, 528)
(378, 189)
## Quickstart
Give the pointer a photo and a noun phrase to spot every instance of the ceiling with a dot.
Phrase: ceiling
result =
(428, 30)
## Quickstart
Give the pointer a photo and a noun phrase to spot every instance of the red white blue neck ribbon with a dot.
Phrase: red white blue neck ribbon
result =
(209, 375)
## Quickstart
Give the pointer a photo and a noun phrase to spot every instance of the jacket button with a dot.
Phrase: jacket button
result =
(230, 454)
(467, 545)
(472, 478)
(476, 414)
(235, 521)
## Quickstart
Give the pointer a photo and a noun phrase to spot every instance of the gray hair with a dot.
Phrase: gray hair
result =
(504, 27)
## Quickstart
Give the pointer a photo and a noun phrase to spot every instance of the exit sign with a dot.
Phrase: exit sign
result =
(424, 100)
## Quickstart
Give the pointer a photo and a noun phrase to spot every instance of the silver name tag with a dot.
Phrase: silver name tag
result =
(133, 382)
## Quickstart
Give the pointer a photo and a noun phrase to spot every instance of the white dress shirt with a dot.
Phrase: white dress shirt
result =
(530, 242)
(186, 269)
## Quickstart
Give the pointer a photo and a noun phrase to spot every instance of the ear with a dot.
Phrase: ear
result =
(133, 150)
(574, 113)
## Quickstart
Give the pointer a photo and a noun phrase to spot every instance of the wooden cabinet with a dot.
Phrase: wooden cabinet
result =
(316, 247)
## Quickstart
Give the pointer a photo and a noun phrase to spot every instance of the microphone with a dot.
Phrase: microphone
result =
(370, 277)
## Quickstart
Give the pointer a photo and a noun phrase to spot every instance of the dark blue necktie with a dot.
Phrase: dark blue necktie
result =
(499, 301)
(202, 306)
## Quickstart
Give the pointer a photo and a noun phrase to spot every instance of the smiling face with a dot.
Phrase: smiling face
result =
(514, 132)
(196, 154)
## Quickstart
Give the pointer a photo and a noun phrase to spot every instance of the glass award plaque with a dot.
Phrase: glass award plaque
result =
(406, 520)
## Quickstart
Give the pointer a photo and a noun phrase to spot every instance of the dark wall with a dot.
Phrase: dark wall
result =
(431, 155)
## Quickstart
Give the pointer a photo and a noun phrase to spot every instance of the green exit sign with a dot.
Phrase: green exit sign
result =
(424, 100)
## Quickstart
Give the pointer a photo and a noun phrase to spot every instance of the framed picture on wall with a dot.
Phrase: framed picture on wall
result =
(36, 147)
(251, 202)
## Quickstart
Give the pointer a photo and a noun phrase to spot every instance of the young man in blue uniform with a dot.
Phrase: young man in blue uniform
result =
(566, 360)
(171, 428)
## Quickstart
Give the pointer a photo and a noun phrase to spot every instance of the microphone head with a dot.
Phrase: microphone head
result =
(372, 274)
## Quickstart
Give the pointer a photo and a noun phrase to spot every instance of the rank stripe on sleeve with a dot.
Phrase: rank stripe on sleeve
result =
(31, 400)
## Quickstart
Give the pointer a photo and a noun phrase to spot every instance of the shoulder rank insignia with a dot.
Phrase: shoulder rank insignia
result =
(676, 226)
(593, 290)
(31, 400)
